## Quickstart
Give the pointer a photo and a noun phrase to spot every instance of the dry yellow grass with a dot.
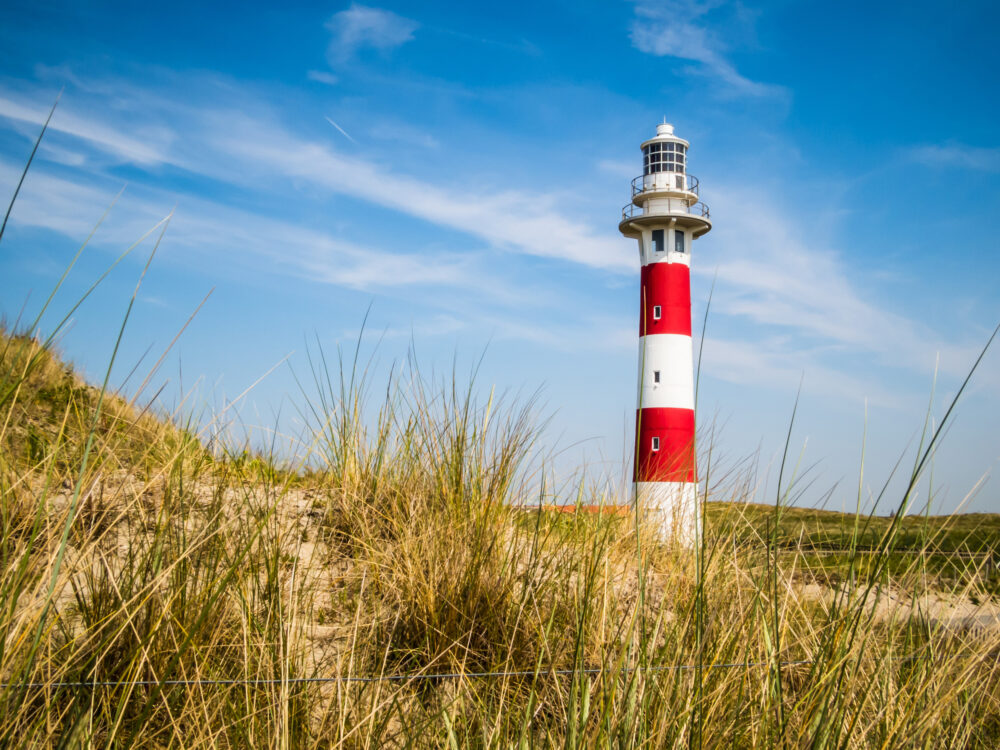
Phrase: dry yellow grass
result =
(400, 552)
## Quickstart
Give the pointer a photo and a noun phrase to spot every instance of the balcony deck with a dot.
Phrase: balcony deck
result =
(665, 182)
(631, 211)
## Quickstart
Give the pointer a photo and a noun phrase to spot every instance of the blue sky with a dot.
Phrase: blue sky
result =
(460, 168)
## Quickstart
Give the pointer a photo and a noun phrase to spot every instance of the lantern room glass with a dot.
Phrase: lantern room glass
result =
(664, 157)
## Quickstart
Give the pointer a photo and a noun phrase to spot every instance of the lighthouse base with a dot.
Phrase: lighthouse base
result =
(673, 507)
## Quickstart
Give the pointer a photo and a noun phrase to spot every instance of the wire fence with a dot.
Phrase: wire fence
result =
(992, 556)
(411, 677)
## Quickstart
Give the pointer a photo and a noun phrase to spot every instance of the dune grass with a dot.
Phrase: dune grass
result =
(397, 548)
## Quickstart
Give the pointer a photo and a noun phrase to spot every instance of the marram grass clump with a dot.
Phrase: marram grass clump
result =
(391, 589)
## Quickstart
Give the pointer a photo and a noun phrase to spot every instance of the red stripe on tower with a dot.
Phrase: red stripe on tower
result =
(665, 445)
(666, 299)
(666, 216)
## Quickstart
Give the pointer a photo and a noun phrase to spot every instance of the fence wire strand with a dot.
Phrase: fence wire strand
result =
(413, 677)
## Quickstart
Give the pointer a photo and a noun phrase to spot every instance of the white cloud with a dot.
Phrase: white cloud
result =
(773, 363)
(512, 220)
(957, 155)
(63, 206)
(676, 28)
(624, 169)
(360, 26)
(148, 148)
(467, 287)
(240, 147)
(321, 76)
(218, 240)
(403, 133)
(771, 275)
(72, 208)
(65, 156)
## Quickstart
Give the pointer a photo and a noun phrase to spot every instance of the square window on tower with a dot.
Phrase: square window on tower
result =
(656, 376)
(658, 240)
(656, 444)
(657, 312)
(678, 241)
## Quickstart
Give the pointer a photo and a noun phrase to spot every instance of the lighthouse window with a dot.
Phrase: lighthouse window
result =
(663, 157)
(656, 444)
(678, 241)
(658, 240)
(656, 376)
(657, 312)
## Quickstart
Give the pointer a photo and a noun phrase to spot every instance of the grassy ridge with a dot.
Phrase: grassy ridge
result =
(49, 412)
(811, 528)
(400, 552)
(953, 552)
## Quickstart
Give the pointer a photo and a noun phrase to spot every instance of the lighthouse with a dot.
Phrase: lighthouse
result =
(666, 215)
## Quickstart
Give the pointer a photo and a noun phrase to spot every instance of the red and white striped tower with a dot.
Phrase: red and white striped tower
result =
(665, 216)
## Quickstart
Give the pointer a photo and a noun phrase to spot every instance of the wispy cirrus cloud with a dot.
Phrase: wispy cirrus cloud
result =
(677, 28)
(771, 361)
(223, 234)
(230, 145)
(361, 26)
(514, 220)
(147, 147)
(808, 308)
(322, 76)
(468, 288)
(623, 169)
(401, 132)
(952, 154)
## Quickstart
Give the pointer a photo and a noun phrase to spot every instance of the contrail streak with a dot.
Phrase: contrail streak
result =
(344, 132)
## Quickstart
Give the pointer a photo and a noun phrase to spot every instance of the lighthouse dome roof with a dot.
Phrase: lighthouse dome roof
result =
(665, 134)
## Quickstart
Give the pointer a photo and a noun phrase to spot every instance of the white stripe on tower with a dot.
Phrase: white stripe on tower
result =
(665, 216)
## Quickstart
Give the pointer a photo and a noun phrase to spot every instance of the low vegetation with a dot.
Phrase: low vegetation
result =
(388, 590)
